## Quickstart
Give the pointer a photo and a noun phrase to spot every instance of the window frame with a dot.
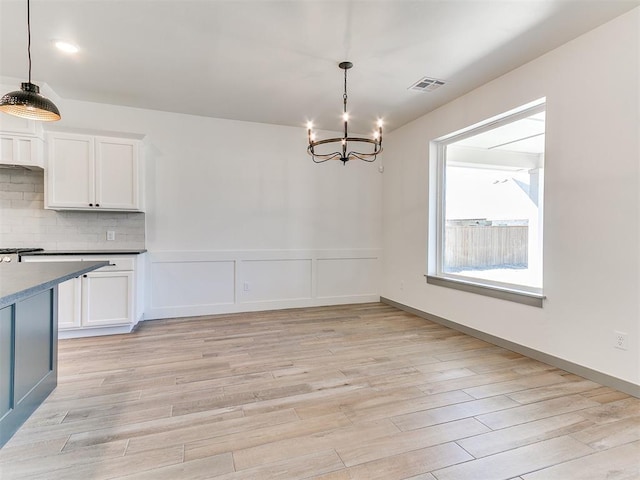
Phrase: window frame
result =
(435, 255)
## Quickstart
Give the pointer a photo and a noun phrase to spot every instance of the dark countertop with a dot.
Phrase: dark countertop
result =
(84, 252)
(21, 280)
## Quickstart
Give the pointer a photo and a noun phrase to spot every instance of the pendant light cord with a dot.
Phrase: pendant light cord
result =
(29, 38)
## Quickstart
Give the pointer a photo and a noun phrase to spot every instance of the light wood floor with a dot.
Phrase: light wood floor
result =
(351, 392)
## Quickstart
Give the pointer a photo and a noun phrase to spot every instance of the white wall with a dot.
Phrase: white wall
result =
(592, 203)
(229, 203)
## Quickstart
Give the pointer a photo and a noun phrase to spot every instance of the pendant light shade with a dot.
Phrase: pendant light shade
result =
(27, 102)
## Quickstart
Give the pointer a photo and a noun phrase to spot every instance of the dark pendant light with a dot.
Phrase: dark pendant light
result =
(27, 102)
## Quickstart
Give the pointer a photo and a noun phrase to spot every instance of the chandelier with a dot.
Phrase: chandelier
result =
(28, 102)
(344, 154)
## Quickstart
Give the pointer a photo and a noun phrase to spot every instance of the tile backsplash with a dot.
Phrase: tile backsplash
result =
(25, 223)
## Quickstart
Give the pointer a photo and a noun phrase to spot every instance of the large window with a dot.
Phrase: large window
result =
(489, 198)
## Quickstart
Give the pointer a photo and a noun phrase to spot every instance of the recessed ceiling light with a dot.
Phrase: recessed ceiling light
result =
(67, 47)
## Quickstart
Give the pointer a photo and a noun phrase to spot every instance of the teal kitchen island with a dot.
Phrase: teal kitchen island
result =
(29, 336)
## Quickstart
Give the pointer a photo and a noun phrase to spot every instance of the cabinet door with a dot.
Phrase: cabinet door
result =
(70, 171)
(69, 304)
(117, 170)
(107, 298)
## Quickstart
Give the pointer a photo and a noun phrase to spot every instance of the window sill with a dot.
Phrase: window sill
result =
(503, 293)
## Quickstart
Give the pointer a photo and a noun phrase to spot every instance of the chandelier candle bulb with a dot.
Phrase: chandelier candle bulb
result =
(344, 156)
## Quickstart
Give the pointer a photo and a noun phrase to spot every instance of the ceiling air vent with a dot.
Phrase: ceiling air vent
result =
(426, 84)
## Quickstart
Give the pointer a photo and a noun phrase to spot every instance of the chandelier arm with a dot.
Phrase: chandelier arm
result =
(327, 140)
(322, 157)
(365, 157)
(362, 154)
(315, 160)
(340, 139)
(328, 156)
(322, 160)
(364, 140)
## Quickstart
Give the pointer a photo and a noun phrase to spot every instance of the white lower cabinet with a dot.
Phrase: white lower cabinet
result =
(100, 302)
(107, 298)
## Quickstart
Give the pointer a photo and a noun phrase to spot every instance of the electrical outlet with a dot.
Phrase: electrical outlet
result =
(111, 235)
(620, 340)
(246, 286)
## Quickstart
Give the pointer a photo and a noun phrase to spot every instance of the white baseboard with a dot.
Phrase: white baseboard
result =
(94, 332)
(585, 372)
(200, 310)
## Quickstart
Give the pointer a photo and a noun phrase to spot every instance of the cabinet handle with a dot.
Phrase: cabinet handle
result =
(97, 204)
(84, 276)
(91, 204)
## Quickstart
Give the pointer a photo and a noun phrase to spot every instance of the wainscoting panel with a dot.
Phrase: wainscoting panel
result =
(183, 284)
(346, 277)
(275, 280)
(188, 283)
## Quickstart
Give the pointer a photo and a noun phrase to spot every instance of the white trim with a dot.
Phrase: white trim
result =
(512, 115)
(516, 294)
(437, 207)
(94, 331)
(216, 309)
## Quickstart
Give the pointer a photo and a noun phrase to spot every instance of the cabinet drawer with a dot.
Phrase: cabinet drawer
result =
(115, 264)
(50, 258)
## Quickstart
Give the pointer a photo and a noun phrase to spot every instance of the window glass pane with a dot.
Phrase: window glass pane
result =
(493, 204)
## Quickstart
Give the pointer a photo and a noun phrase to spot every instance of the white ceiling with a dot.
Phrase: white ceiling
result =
(276, 61)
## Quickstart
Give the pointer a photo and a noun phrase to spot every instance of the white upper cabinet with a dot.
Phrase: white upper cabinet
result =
(93, 173)
(10, 124)
(20, 142)
(22, 151)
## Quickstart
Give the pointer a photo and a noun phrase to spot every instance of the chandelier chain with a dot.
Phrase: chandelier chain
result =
(344, 96)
